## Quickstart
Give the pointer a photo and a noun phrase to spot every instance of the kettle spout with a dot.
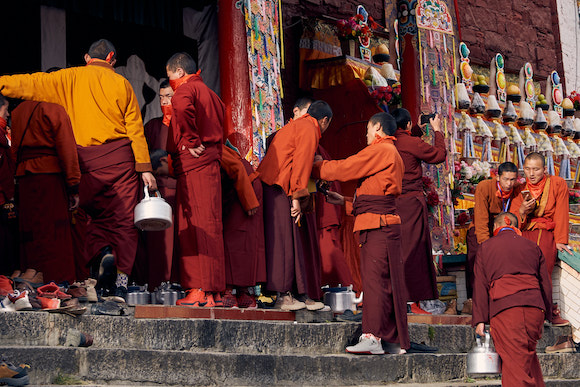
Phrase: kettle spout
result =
(357, 300)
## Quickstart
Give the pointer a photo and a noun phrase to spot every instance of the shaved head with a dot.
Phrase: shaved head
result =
(505, 219)
(536, 156)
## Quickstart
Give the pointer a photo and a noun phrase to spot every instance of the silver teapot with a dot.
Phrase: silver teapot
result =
(341, 298)
(483, 360)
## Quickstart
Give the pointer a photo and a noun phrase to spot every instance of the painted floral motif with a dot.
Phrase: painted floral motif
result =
(434, 15)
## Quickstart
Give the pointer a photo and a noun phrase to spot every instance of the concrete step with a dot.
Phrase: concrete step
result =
(250, 337)
(132, 366)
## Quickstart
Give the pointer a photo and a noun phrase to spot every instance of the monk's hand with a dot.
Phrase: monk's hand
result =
(252, 211)
(436, 122)
(563, 247)
(295, 211)
(479, 329)
(149, 180)
(196, 152)
(527, 207)
(335, 198)
(73, 202)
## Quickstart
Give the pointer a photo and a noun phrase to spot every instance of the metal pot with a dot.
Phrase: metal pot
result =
(167, 294)
(483, 360)
(138, 298)
(153, 213)
(341, 299)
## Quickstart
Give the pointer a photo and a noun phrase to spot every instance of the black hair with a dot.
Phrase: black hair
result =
(3, 100)
(536, 156)
(402, 117)
(506, 167)
(183, 61)
(101, 49)
(387, 122)
(155, 155)
(302, 102)
(320, 109)
(500, 218)
(164, 84)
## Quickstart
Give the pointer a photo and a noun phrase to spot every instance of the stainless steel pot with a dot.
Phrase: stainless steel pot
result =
(483, 360)
(341, 299)
(153, 213)
(167, 294)
(138, 298)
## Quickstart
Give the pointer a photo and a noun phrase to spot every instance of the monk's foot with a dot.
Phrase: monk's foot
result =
(288, 302)
(246, 300)
(313, 305)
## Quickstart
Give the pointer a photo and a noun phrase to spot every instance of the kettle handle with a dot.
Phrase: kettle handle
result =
(487, 339)
(146, 190)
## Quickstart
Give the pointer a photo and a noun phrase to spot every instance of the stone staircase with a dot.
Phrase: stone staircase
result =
(231, 352)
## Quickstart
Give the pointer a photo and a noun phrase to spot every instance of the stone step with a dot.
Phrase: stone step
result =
(132, 366)
(250, 337)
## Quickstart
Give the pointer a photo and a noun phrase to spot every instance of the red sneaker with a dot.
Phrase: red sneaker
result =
(217, 300)
(416, 309)
(5, 285)
(229, 300)
(210, 301)
(246, 300)
(194, 298)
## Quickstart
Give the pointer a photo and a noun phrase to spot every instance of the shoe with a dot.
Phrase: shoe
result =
(558, 321)
(20, 300)
(368, 344)
(6, 285)
(451, 308)
(217, 300)
(349, 316)
(467, 307)
(194, 298)
(565, 344)
(48, 303)
(313, 305)
(14, 376)
(79, 291)
(103, 269)
(91, 291)
(416, 309)
(229, 300)
(76, 338)
(288, 302)
(28, 275)
(210, 301)
(119, 294)
(266, 302)
(246, 300)
(7, 306)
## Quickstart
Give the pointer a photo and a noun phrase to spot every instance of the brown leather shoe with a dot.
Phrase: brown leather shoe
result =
(557, 320)
(15, 274)
(28, 275)
(467, 307)
(565, 344)
(38, 278)
(451, 307)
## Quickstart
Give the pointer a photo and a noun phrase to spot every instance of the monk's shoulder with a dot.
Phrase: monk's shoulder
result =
(486, 185)
(558, 182)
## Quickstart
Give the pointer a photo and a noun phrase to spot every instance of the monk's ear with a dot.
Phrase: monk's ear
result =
(87, 58)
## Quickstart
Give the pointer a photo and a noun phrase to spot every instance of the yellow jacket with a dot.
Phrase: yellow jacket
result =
(101, 104)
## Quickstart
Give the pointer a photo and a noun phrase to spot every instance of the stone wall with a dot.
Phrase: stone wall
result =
(522, 31)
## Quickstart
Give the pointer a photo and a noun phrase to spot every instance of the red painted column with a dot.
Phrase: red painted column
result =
(234, 76)
(410, 71)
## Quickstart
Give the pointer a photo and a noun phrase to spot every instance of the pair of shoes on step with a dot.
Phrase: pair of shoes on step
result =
(369, 344)
(199, 298)
(12, 375)
(15, 301)
(289, 303)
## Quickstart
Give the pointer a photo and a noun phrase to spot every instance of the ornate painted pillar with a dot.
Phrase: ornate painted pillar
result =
(409, 63)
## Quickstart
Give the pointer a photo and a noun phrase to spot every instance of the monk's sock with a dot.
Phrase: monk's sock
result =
(122, 279)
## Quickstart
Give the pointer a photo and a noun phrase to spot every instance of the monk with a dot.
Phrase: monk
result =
(243, 220)
(112, 150)
(195, 144)
(420, 276)
(512, 292)
(379, 170)
(491, 197)
(8, 220)
(48, 174)
(285, 172)
(162, 263)
(543, 211)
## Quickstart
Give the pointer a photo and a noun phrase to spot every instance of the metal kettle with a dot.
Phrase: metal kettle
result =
(483, 360)
(341, 298)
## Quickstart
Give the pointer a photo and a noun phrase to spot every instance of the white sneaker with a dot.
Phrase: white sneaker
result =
(368, 344)
(20, 300)
(7, 306)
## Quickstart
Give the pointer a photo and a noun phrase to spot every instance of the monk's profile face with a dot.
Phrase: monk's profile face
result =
(534, 170)
(165, 95)
(507, 180)
(173, 75)
(324, 123)
(4, 111)
(372, 130)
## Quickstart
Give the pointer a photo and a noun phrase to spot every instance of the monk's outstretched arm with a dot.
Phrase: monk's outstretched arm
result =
(368, 161)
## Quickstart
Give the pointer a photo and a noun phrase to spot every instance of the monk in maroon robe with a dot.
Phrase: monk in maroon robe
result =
(48, 175)
(513, 293)
(420, 276)
(195, 143)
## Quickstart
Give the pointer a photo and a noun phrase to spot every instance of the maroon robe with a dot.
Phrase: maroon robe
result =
(47, 171)
(198, 116)
(420, 276)
(512, 291)
(8, 227)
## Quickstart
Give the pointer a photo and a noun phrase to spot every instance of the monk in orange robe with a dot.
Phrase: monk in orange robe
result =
(543, 210)
(108, 130)
(379, 170)
(491, 197)
(513, 293)
(195, 144)
(412, 208)
(243, 219)
(48, 175)
(285, 171)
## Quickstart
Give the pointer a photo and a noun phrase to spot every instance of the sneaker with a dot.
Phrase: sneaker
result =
(288, 302)
(451, 307)
(194, 298)
(368, 344)
(229, 300)
(565, 344)
(218, 300)
(210, 301)
(349, 316)
(48, 303)
(79, 291)
(6, 285)
(246, 300)
(467, 307)
(416, 309)
(14, 376)
(20, 300)
(91, 291)
(266, 302)
(103, 269)
(557, 320)
(313, 305)
(7, 306)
